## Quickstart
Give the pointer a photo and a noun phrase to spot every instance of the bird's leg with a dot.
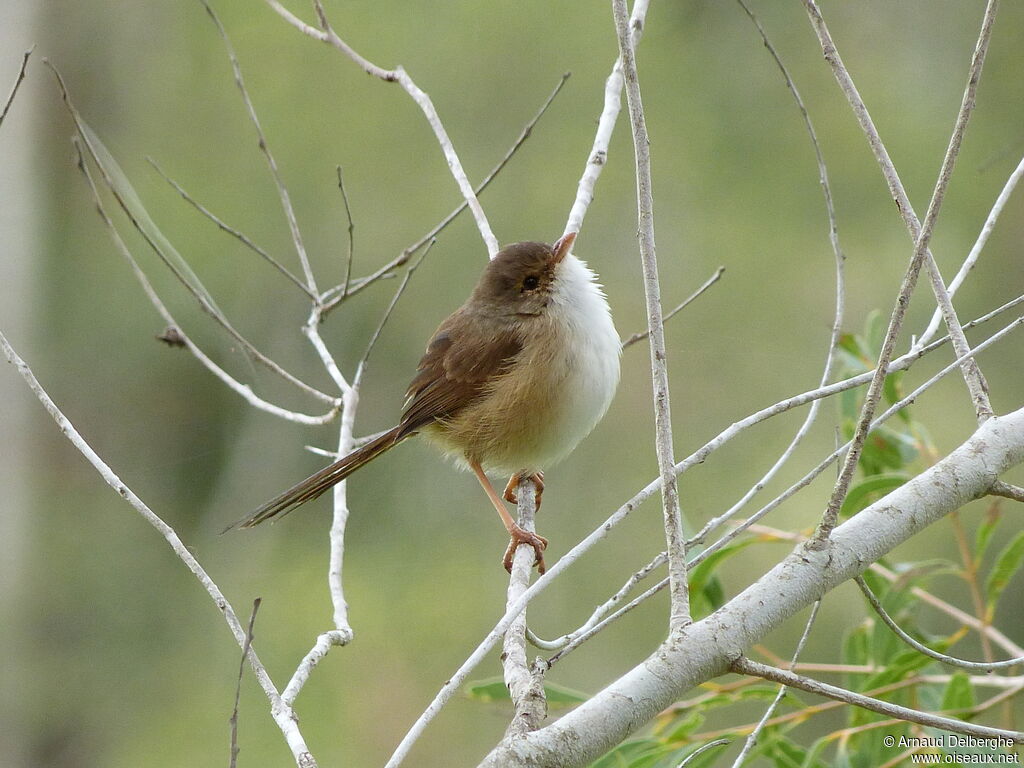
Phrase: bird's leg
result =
(519, 535)
(513, 483)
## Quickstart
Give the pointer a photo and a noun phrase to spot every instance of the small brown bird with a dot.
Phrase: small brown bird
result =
(510, 382)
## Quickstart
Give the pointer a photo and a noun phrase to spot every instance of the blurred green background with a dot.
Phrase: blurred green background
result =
(112, 654)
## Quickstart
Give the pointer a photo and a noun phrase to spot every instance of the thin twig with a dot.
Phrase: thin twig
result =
(700, 750)
(599, 613)
(976, 666)
(745, 666)
(674, 535)
(979, 244)
(750, 522)
(198, 292)
(892, 410)
(326, 34)
(525, 683)
(332, 297)
(17, 83)
(240, 236)
(280, 711)
(840, 275)
(350, 254)
(324, 643)
(921, 233)
(238, 686)
(1006, 490)
(147, 287)
(282, 190)
(598, 156)
(641, 335)
(361, 366)
(922, 237)
(752, 737)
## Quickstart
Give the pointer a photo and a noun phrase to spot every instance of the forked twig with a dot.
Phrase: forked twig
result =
(333, 296)
(282, 713)
(282, 190)
(326, 34)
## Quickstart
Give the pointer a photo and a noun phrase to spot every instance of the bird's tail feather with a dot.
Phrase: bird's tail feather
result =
(314, 485)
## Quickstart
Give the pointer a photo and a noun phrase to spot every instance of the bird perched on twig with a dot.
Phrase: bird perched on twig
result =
(510, 382)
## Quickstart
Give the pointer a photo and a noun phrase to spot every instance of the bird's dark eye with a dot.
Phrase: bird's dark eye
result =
(530, 282)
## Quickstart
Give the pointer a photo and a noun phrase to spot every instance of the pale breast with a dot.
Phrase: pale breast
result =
(561, 385)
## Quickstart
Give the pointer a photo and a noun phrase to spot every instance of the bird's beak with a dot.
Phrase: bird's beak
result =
(562, 247)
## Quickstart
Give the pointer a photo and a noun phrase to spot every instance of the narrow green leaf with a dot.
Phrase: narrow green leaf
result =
(983, 535)
(867, 491)
(494, 689)
(1006, 566)
(959, 693)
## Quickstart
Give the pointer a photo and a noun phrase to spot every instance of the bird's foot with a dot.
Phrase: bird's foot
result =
(513, 483)
(523, 536)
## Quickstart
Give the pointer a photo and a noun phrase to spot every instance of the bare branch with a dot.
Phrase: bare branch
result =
(280, 711)
(282, 191)
(979, 244)
(599, 613)
(240, 236)
(164, 250)
(233, 384)
(361, 366)
(745, 666)
(641, 335)
(351, 237)
(398, 75)
(999, 488)
(17, 83)
(680, 602)
(606, 125)
(921, 234)
(332, 297)
(752, 737)
(323, 645)
(525, 684)
(975, 666)
(238, 686)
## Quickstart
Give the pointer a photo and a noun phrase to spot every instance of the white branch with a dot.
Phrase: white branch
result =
(979, 244)
(705, 649)
(326, 34)
(605, 125)
(280, 710)
(674, 536)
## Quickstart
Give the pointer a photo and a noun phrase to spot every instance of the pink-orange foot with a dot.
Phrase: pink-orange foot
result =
(513, 483)
(522, 536)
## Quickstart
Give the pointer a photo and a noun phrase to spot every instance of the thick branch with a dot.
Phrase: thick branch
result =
(705, 649)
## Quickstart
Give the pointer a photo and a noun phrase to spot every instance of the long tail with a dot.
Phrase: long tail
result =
(326, 478)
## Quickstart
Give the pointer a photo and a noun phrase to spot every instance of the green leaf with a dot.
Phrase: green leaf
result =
(867, 491)
(136, 210)
(959, 693)
(627, 754)
(704, 586)
(983, 535)
(1006, 566)
(685, 726)
(494, 689)
(874, 333)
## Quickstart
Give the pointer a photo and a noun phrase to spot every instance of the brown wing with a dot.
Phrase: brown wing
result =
(461, 358)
